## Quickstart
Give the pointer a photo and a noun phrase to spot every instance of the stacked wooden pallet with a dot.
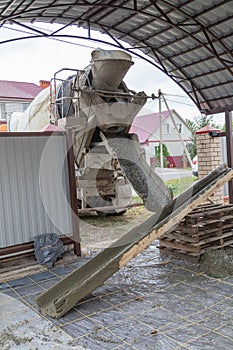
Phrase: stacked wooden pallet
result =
(205, 227)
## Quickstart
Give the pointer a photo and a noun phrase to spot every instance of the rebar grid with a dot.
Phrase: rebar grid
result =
(152, 303)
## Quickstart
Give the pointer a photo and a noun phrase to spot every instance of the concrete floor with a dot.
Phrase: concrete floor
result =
(152, 303)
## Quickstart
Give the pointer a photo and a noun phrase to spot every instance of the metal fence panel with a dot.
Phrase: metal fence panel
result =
(34, 187)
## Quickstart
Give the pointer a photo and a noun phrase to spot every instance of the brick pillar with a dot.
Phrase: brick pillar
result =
(209, 157)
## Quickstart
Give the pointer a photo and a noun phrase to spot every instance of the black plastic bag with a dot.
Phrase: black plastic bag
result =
(48, 248)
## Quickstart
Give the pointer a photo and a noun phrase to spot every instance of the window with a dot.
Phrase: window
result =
(166, 128)
(25, 106)
(179, 127)
(2, 110)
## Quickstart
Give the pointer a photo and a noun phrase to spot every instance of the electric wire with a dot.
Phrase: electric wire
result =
(182, 96)
(176, 101)
(50, 37)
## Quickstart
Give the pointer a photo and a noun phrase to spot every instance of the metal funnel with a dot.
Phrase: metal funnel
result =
(109, 68)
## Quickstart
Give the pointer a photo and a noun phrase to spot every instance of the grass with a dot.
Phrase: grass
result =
(180, 185)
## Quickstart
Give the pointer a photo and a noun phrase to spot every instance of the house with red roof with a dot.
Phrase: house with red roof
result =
(171, 126)
(16, 96)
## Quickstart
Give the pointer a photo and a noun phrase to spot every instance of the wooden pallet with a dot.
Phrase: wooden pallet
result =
(208, 226)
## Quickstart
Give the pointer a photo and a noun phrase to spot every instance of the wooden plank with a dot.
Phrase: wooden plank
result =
(196, 230)
(212, 212)
(179, 245)
(64, 295)
(224, 238)
(194, 247)
(183, 255)
(186, 233)
(205, 207)
(180, 237)
(226, 243)
(189, 239)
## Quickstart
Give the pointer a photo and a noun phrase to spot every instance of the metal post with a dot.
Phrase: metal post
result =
(73, 193)
(229, 141)
(161, 130)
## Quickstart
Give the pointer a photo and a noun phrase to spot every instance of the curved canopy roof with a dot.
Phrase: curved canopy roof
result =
(190, 40)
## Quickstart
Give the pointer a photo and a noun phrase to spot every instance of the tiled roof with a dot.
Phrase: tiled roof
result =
(145, 125)
(18, 90)
(207, 129)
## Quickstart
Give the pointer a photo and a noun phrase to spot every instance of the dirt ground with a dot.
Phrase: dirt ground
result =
(99, 232)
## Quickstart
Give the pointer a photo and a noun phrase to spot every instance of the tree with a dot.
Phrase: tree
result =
(165, 153)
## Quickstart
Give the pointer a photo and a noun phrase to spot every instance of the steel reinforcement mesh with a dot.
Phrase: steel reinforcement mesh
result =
(152, 303)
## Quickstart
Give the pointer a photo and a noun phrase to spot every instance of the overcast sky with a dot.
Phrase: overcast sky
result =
(37, 59)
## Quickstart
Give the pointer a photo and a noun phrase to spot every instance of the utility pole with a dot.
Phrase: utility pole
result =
(178, 133)
(160, 128)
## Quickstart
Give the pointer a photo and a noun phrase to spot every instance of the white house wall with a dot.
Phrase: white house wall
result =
(8, 107)
(172, 140)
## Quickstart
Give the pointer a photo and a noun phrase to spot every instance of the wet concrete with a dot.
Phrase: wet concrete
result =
(148, 185)
(217, 262)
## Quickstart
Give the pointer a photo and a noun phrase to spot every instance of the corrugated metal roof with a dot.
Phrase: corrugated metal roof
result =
(190, 40)
(18, 90)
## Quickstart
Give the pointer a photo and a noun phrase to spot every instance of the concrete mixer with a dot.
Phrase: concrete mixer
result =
(98, 107)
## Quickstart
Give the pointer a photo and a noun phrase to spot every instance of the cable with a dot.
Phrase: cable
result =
(183, 96)
(179, 102)
(50, 37)
(183, 103)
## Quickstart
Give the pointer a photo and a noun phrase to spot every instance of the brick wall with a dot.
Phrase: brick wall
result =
(209, 157)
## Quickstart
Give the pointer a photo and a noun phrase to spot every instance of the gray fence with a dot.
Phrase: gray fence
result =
(35, 187)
